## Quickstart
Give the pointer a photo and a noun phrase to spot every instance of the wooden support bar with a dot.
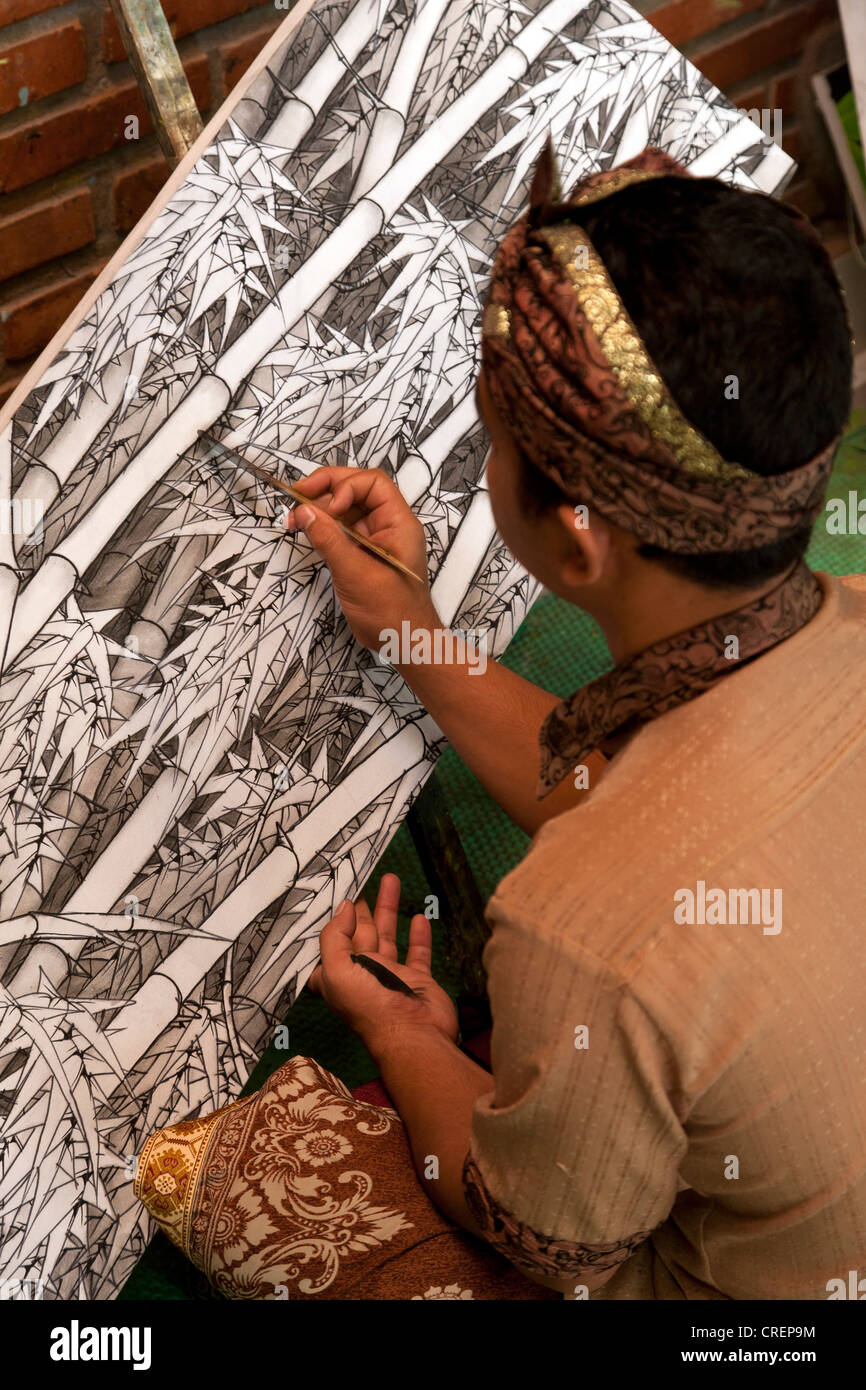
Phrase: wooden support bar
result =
(151, 51)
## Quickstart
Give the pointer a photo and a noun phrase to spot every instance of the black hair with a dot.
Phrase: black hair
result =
(724, 284)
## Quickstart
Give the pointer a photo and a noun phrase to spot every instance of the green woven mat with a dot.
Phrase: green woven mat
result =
(559, 648)
(844, 554)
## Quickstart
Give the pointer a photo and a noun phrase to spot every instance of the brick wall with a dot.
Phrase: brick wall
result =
(72, 185)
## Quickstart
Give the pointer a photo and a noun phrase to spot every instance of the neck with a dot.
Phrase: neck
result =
(636, 616)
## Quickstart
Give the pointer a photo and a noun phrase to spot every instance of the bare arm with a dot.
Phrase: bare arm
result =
(491, 719)
(433, 1085)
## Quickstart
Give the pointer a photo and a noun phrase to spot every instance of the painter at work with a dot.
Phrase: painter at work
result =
(474, 383)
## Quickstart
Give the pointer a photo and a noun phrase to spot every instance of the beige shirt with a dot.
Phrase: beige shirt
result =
(703, 1081)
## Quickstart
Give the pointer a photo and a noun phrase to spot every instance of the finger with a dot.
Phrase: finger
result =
(336, 549)
(343, 498)
(366, 936)
(387, 910)
(314, 983)
(349, 516)
(326, 504)
(322, 487)
(420, 952)
(322, 480)
(363, 491)
(368, 485)
(335, 941)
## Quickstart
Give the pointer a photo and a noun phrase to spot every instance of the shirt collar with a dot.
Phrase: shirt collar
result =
(671, 672)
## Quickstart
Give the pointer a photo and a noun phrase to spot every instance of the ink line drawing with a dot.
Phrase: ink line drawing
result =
(197, 761)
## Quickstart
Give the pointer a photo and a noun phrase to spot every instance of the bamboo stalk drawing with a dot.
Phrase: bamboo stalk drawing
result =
(211, 395)
(8, 560)
(304, 103)
(44, 480)
(157, 998)
(111, 873)
(67, 550)
(196, 760)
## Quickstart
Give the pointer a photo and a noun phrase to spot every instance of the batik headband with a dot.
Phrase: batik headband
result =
(585, 404)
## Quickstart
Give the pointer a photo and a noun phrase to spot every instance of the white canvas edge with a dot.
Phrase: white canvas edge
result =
(32, 376)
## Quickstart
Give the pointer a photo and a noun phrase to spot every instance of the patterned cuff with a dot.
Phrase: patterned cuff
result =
(528, 1249)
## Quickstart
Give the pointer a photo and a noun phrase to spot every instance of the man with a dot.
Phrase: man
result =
(678, 1100)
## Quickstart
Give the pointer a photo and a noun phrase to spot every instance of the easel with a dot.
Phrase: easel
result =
(155, 61)
(156, 64)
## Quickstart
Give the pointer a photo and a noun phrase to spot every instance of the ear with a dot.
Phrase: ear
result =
(586, 545)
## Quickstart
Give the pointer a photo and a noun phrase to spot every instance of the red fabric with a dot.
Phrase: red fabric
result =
(373, 1093)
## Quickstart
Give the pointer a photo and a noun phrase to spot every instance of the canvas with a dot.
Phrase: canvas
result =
(198, 761)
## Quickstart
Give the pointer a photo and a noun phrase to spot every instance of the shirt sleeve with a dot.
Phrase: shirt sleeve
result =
(575, 1155)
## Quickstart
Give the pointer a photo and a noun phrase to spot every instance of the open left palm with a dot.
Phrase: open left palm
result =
(368, 1006)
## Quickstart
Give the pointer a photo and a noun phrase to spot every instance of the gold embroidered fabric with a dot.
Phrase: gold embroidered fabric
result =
(304, 1191)
(583, 402)
(624, 349)
(168, 1167)
(612, 182)
(496, 321)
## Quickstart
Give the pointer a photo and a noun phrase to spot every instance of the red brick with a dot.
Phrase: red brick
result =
(804, 195)
(238, 56)
(184, 17)
(51, 228)
(784, 93)
(8, 381)
(42, 147)
(755, 99)
(13, 10)
(689, 19)
(37, 67)
(31, 321)
(135, 190)
(766, 44)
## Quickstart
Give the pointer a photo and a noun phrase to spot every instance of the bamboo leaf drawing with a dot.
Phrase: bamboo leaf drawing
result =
(197, 761)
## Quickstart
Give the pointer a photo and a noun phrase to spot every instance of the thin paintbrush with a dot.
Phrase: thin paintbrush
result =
(299, 496)
(385, 976)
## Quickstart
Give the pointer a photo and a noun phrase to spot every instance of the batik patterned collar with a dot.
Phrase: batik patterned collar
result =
(671, 672)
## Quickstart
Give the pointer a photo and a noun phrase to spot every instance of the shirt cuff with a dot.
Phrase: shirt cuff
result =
(532, 1251)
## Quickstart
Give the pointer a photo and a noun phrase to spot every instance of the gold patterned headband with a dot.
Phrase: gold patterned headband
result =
(620, 342)
(584, 403)
(632, 365)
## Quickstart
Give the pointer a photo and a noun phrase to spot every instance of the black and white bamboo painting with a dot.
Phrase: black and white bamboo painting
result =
(197, 762)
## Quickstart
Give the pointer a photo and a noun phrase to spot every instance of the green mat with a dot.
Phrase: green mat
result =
(559, 648)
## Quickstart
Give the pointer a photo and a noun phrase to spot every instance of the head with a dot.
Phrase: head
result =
(738, 307)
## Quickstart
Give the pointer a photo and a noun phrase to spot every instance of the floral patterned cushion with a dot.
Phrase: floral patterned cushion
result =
(303, 1191)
